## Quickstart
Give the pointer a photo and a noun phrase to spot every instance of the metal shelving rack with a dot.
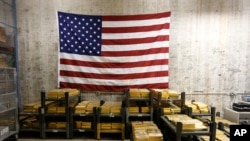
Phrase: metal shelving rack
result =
(66, 117)
(159, 110)
(143, 116)
(179, 133)
(86, 117)
(35, 116)
(25, 116)
(9, 82)
(8, 20)
(137, 116)
(8, 104)
(104, 118)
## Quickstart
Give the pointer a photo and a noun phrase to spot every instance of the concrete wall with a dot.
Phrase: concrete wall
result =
(209, 44)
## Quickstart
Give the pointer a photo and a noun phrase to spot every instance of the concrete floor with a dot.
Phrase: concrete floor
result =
(35, 136)
(61, 137)
(66, 140)
(74, 139)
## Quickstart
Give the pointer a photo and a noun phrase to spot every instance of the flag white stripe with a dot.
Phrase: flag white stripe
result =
(135, 46)
(135, 35)
(113, 70)
(115, 59)
(111, 82)
(136, 22)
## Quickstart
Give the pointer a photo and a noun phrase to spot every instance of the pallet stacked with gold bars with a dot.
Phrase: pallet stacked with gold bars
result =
(145, 131)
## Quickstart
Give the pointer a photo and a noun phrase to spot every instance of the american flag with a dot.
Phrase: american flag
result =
(111, 53)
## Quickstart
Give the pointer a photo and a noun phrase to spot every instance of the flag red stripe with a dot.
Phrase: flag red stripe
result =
(134, 29)
(134, 40)
(106, 88)
(136, 17)
(114, 65)
(113, 76)
(136, 52)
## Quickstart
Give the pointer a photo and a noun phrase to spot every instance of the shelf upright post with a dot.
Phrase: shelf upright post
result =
(151, 105)
(183, 101)
(213, 124)
(95, 122)
(178, 131)
(67, 114)
(42, 115)
(16, 53)
(98, 125)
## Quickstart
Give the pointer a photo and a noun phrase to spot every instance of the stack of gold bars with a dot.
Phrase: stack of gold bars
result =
(141, 107)
(32, 122)
(133, 107)
(139, 93)
(58, 109)
(86, 107)
(105, 126)
(110, 126)
(146, 131)
(116, 125)
(113, 107)
(165, 93)
(33, 107)
(160, 94)
(83, 125)
(192, 106)
(203, 108)
(198, 107)
(60, 93)
(145, 109)
(57, 125)
(224, 121)
(172, 109)
(188, 123)
(219, 136)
